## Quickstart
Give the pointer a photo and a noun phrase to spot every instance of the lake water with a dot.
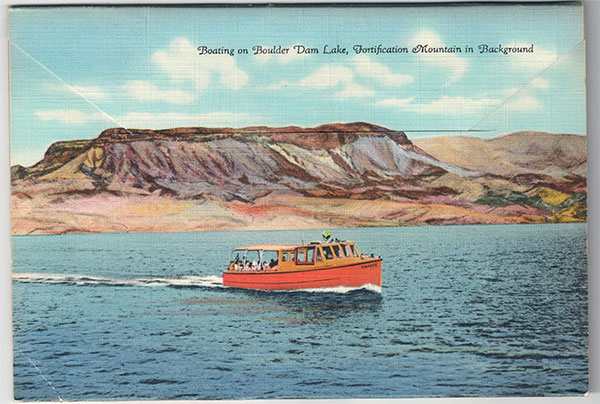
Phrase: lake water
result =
(463, 311)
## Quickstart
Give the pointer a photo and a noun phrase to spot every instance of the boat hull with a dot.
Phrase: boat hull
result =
(351, 275)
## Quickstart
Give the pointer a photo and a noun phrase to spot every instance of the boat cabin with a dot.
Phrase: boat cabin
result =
(288, 257)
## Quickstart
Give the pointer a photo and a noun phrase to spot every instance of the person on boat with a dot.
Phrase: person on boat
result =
(254, 266)
(266, 266)
(232, 266)
(239, 265)
(247, 266)
(274, 265)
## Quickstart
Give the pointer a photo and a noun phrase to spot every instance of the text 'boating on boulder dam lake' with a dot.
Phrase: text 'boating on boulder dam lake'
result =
(257, 50)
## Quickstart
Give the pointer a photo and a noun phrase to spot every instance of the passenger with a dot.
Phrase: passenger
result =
(266, 266)
(274, 265)
(247, 266)
(254, 266)
(231, 266)
(239, 265)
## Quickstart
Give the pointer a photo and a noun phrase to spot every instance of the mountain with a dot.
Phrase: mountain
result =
(260, 177)
(555, 155)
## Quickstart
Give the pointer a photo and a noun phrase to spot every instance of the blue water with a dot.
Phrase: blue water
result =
(464, 311)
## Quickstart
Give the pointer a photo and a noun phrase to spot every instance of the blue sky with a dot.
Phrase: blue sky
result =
(77, 71)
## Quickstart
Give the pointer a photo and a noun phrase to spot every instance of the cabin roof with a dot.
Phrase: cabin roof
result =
(276, 247)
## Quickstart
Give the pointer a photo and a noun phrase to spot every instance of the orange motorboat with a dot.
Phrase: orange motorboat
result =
(303, 266)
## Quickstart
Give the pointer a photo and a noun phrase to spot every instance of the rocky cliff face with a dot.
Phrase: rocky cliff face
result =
(265, 174)
(329, 160)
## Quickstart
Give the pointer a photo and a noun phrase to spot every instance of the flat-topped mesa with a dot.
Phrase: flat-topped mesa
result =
(326, 136)
(186, 133)
(164, 145)
(333, 135)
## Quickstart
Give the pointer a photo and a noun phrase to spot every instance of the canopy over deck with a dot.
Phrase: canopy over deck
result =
(268, 247)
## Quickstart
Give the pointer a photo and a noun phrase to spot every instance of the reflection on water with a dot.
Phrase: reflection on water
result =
(308, 307)
(288, 307)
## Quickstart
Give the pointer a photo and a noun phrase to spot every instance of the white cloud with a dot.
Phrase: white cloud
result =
(330, 76)
(366, 67)
(452, 61)
(394, 102)
(70, 117)
(509, 92)
(153, 121)
(327, 76)
(540, 83)
(92, 93)
(444, 106)
(146, 91)
(353, 90)
(537, 60)
(536, 83)
(525, 103)
(182, 63)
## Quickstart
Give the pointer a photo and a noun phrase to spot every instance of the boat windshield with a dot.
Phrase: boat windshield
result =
(254, 260)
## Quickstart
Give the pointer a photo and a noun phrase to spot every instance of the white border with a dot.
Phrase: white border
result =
(592, 33)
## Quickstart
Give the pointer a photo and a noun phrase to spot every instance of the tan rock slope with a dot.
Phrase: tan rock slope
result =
(556, 155)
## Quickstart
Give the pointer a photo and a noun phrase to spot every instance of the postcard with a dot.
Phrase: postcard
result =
(272, 202)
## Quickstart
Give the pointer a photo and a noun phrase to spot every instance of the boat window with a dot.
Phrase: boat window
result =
(319, 255)
(270, 261)
(347, 250)
(306, 255)
(288, 256)
(310, 254)
(327, 252)
(354, 251)
(336, 250)
(252, 260)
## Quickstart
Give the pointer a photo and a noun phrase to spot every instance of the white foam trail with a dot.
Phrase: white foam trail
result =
(192, 281)
(198, 281)
(338, 289)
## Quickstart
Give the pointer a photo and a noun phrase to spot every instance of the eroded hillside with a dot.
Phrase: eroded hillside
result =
(259, 177)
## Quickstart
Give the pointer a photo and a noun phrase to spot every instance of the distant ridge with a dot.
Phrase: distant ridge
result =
(556, 155)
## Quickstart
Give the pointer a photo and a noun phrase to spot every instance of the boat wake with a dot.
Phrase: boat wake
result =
(338, 289)
(183, 282)
(83, 280)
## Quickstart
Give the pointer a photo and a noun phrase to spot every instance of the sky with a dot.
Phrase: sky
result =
(75, 71)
